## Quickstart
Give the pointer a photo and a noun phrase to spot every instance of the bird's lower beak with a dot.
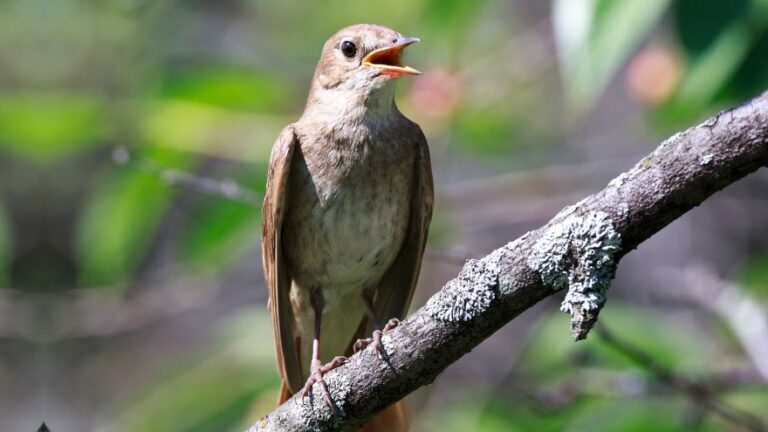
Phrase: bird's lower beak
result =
(388, 59)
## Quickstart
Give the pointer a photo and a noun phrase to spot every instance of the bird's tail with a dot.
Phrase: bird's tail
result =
(395, 418)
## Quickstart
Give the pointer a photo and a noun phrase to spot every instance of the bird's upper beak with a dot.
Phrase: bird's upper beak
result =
(388, 58)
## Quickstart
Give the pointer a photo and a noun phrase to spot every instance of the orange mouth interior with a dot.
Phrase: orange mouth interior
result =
(388, 60)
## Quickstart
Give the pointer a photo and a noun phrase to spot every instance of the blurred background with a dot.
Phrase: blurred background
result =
(134, 138)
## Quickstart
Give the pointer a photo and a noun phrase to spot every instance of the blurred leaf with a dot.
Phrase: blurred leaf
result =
(700, 22)
(595, 37)
(211, 130)
(448, 21)
(230, 87)
(43, 126)
(752, 76)
(515, 415)
(486, 132)
(221, 232)
(120, 219)
(213, 390)
(754, 276)
(752, 401)
(552, 354)
(727, 46)
(462, 414)
(632, 415)
(6, 242)
(712, 70)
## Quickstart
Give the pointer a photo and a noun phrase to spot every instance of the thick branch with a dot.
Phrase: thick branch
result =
(578, 249)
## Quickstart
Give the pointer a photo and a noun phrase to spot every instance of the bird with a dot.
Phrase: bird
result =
(346, 214)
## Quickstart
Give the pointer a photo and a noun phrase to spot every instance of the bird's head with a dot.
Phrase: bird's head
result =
(362, 61)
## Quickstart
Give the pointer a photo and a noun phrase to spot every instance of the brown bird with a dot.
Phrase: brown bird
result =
(346, 211)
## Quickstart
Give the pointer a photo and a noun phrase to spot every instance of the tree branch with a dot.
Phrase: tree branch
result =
(578, 249)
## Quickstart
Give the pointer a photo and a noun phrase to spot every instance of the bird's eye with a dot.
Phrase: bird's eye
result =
(348, 48)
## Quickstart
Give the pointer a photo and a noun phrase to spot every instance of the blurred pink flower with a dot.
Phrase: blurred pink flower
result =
(436, 93)
(653, 75)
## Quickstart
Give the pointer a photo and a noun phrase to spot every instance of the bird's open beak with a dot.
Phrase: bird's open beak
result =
(388, 59)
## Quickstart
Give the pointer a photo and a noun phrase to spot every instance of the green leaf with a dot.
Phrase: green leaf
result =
(726, 46)
(551, 352)
(120, 220)
(223, 231)
(754, 276)
(209, 129)
(485, 132)
(632, 415)
(6, 239)
(230, 87)
(213, 389)
(595, 37)
(44, 126)
(448, 22)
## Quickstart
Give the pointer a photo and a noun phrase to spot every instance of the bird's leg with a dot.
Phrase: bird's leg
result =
(360, 344)
(317, 368)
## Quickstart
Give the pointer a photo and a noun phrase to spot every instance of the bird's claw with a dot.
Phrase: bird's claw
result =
(361, 344)
(317, 371)
(391, 324)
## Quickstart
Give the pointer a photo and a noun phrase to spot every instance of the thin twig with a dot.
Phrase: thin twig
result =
(695, 391)
(226, 188)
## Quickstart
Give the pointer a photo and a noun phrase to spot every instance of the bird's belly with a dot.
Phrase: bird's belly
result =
(350, 238)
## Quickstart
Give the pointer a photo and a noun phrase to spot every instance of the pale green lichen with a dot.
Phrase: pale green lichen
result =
(474, 289)
(579, 253)
(314, 410)
(507, 282)
(623, 209)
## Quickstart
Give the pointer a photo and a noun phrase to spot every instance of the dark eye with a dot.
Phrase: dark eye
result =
(348, 49)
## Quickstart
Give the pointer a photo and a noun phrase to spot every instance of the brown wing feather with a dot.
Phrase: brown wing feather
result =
(275, 271)
(395, 291)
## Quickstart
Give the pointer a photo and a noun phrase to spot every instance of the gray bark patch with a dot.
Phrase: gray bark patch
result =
(315, 412)
(471, 292)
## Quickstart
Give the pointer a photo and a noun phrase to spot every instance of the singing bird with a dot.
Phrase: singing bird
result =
(346, 211)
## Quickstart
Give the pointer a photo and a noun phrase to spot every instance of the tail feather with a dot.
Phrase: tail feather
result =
(285, 394)
(395, 418)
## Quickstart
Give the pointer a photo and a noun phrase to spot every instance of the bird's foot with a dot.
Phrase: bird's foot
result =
(391, 324)
(317, 371)
(361, 344)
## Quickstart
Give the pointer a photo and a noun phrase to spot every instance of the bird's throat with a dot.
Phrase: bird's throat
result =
(333, 105)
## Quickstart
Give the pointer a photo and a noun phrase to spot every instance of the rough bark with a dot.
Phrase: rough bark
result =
(577, 250)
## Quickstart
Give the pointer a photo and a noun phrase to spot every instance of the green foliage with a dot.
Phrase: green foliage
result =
(594, 39)
(487, 133)
(660, 414)
(726, 46)
(6, 239)
(213, 389)
(44, 126)
(551, 354)
(220, 234)
(754, 276)
(209, 129)
(120, 220)
(230, 87)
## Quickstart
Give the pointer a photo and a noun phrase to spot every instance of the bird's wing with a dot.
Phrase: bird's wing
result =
(275, 269)
(394, 293)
